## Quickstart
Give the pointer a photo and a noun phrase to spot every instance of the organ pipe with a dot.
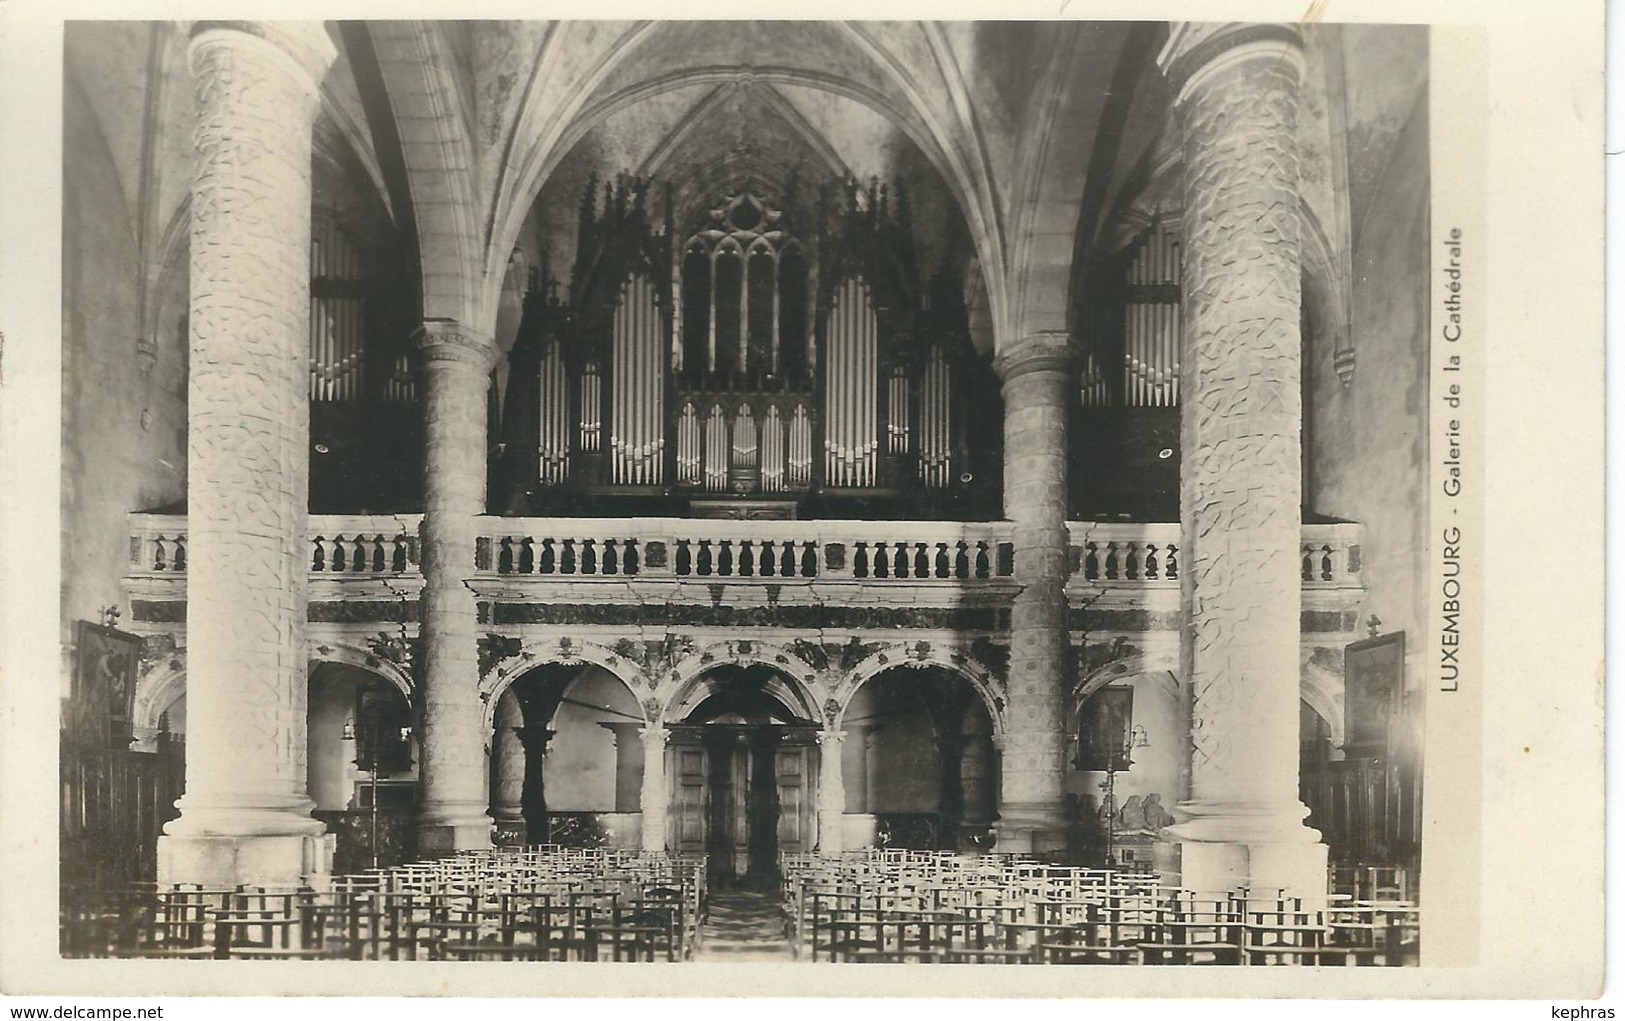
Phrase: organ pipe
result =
(716, 449)
(800, 458)
(553, 406)
(1150, 326)
(689, 456)
(637, 405)
(591, 423)
(336, 348)
(773, 451)
(850, 389)
(936, 456)
(897, 412)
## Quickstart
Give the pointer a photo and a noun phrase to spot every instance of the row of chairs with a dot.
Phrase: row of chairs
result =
(934, 907)
(539, 904)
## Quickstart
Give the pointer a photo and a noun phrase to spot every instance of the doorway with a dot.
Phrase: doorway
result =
(745, 762)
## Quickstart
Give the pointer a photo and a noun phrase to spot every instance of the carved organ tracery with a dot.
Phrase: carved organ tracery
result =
(766, 353)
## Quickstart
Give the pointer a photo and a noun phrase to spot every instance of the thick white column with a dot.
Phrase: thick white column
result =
(457, 364)
(1037, 375)
(1236, 99)
(245, 816)
(654, 795)
(831, 792)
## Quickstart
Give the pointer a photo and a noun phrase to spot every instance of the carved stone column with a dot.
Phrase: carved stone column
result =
(1236, 90)
(508, 766)
(245, 816)
(1037, 374)
(831, 792)
(535, 738)
(654, 793)
(456, 366)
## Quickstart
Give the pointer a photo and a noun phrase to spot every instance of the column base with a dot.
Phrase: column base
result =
(652, 832)
(1031, 828)
(831, 838)
(445, 832)
(225, 861)
(1213, 869)
(858, 829)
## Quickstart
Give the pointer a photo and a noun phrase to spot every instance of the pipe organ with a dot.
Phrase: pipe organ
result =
(1139, 332)
(337, 294)
(365, 424)
(1151, 344)
(1127, 433)
(764, 354)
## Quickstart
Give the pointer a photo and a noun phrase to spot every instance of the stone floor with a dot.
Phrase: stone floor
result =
(743, 925)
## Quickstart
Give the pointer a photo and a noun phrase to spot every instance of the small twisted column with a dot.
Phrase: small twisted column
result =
(1037, 374)
(831, 793)
(1237, 99)
(245, 816)
(654, 795)
(457, 364)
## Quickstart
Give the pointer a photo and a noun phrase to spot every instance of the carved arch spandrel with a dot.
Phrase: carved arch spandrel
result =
(568, 651)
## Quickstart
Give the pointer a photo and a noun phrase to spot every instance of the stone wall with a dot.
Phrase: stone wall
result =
(1368, 439)
(123, 429)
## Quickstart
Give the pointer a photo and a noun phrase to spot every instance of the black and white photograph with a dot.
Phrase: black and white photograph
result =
(958, 493)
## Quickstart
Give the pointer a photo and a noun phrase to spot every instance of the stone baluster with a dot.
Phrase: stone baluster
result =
(1236, 100)
(245, 815)
(452, 808)
(654, 794)
(1037, 375)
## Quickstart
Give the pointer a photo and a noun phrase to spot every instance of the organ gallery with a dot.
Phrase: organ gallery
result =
(904, 459)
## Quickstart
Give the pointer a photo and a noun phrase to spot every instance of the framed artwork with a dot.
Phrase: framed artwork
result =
(105, 673)
(1105, 727)
(1374, 688)
(383, 730)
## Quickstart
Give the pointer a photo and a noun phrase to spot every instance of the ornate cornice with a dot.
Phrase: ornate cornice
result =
(1195, 50)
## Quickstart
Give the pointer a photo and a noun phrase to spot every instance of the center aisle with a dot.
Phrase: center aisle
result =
(742, 925)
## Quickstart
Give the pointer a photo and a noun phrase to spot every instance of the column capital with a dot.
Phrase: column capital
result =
(826, 737)
(1038, 352)
(654, 735)
(1196, 50)
(306, 42)
(534, 737)
(447, 340)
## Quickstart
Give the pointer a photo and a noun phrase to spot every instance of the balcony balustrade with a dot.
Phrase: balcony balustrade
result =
(935, 554)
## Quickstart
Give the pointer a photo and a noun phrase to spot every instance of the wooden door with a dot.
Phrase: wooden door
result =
(688, 810)
(798, 822)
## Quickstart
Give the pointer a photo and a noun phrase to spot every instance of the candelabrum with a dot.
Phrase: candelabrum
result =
(369, 755)
(1119, 761)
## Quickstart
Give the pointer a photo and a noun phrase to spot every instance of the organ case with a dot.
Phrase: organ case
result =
(772, 353)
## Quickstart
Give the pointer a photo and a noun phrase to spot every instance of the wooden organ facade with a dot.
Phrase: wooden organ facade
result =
(761, 360)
